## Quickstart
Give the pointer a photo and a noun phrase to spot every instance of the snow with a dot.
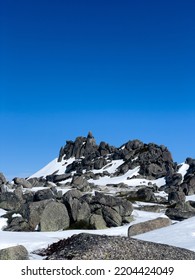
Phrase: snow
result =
(3, 221)
(16, 215)
(111, 167)
(116, 180)
(53, 166)
(183, 169)
(190, 197)
(126, 179)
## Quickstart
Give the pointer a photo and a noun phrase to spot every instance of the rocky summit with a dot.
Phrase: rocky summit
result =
(98, 186)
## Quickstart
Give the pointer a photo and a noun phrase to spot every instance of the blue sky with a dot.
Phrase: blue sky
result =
(122, 69)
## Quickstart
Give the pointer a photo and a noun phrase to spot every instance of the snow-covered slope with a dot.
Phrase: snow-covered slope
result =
(53, 167)
(60, 168)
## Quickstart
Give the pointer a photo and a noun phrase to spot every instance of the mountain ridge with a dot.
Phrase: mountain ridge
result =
(99, 187)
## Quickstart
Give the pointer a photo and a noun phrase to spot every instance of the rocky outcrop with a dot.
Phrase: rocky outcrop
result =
(154, 161)
(144, 193)
(181, 211)
(189, 179)
(186, 184)
(45, 210)
(98, 211)
(81, 147)
(22, 182)
(101, 247)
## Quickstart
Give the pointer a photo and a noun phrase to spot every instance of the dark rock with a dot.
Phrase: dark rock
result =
(175, 197)
(106, 200)
(43, 194)
(28, 196)
(61, 153)
(134, 145)
(2, 179)
(71, 201)
(114, 210)
(179, 214)
(191, 203)
(100, 163)
(18, 224)
(184, 188)
(79, 180)
(10, 201)
(111, 217)
(154, 161)
(104, 149)
(191, 185)
(71, 194)
(82, 146)
(190, 161)
(151, 208)
(143, 194)
(35, 210)
(173, 179)
(36, 182)
(22, 182)
(58, 178)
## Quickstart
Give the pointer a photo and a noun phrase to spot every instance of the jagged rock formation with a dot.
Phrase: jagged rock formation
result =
(154, 161)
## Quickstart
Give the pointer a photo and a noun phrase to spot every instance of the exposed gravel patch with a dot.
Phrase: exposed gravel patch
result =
(101, 247)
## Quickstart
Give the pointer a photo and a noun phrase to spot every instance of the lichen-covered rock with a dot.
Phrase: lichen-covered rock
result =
(22, 182)
(10, 201)
(97, 222)
(35, 210)
(18, 252)
(54, 217)
(148, 226)
(43, 194)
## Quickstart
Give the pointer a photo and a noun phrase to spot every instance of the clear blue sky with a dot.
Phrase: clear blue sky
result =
(122, 69)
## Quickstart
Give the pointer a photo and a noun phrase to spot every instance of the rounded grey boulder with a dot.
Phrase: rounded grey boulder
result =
(148, 226)
(54, 217)
(18, 252)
